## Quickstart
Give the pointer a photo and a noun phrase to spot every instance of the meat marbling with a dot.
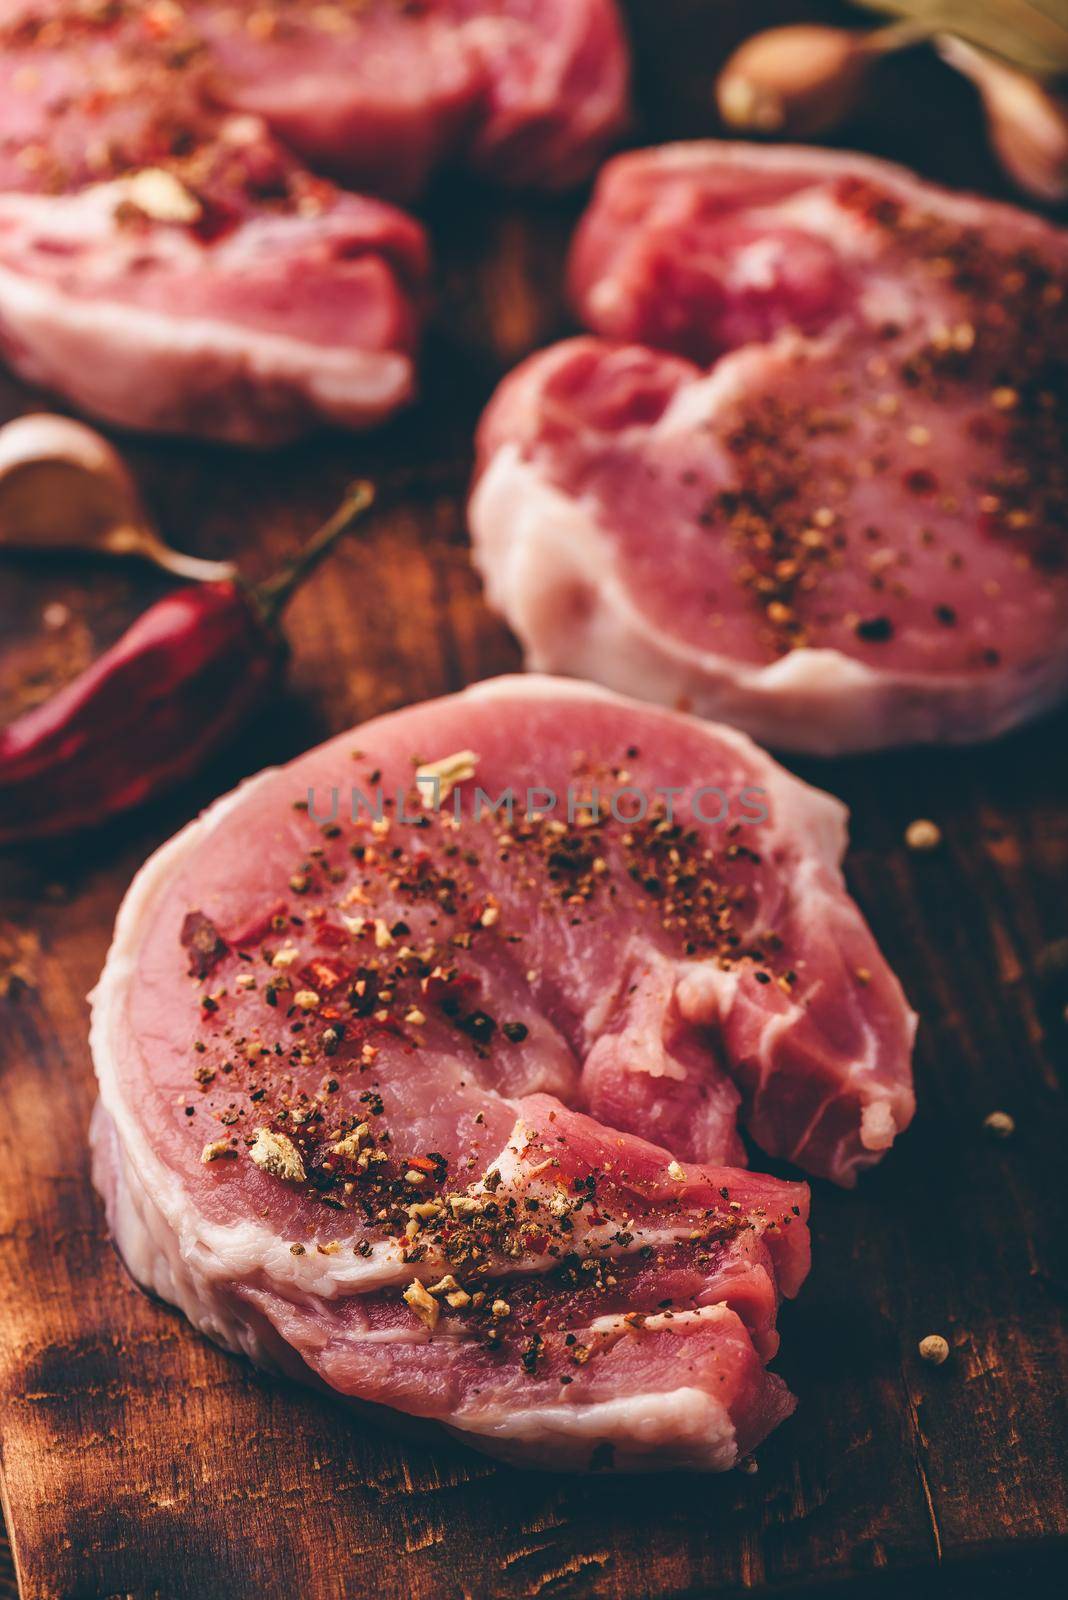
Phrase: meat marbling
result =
(167, 266)
(438, 1108)
(167, 262)
(529, 92)
(810, 474)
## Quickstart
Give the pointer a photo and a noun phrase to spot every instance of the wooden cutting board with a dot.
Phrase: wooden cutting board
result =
(138, 1460)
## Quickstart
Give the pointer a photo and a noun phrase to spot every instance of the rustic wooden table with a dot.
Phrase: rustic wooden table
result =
(138, 1460)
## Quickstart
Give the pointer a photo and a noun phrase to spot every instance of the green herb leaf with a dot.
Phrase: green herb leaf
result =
(1031, 35)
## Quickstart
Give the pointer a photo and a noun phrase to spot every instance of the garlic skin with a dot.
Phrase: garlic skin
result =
(63, 486)
(796, 81)
(1028, 125)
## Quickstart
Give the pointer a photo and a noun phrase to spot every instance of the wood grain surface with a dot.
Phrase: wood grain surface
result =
(138, 1460)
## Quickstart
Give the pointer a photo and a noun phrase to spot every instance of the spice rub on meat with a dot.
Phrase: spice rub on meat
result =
(438, 1106)
(168, 261)
(168, 265)
(810, 475)
(378, 93)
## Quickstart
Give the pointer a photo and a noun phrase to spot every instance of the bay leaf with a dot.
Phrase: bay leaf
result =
(1031, 35)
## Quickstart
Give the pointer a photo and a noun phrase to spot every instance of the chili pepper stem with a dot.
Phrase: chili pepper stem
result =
(273, 595)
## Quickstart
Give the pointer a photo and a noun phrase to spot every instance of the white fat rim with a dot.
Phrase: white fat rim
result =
(694, 1426)
(226, 1250)
(220, 1251)
(172, 1249)
(533, 544)
(355, 387)
(686, 155)
(684, 1428)
(146, 369)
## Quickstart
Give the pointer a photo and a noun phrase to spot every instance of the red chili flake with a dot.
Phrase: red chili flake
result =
(453, 992)
(215, 221)
(322, 976)
(330, 935)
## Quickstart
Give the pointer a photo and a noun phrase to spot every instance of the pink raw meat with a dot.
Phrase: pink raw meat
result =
(169, 267)
(503, 1058)
(529, 92)
(167, 263)
(848, 531)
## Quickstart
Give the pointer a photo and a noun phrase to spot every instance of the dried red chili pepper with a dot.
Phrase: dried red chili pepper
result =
(149, 711)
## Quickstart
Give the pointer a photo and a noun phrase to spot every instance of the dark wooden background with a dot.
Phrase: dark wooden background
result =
(138, 1460)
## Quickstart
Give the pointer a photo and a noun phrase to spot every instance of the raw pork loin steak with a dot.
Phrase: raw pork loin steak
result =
(437, 1106)
(811, 476)
(529, 92)
(165, 259)
(166, 266)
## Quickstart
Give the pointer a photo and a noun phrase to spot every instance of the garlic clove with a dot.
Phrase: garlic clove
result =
(796, 81)
(61, 483)
(1028, 125)
(804, 80)
(63, 486)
